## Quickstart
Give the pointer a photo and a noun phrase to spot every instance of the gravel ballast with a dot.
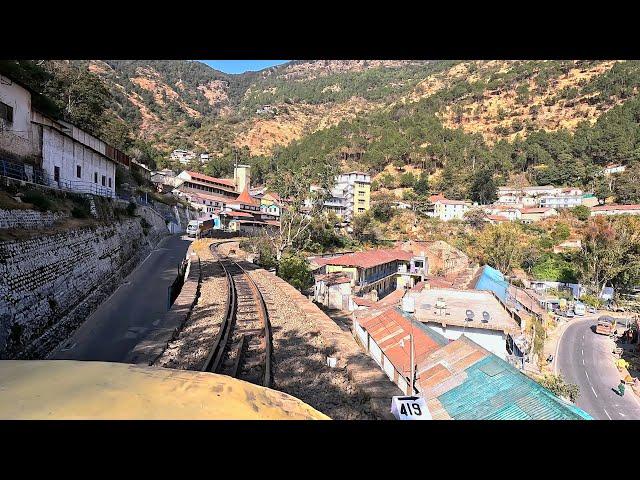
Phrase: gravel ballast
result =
(194, 341)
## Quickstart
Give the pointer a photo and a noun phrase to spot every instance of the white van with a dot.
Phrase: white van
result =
(193, 227)
(580, 309)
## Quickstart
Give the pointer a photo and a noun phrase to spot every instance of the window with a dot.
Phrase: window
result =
(104, 181)
(78, 171)
(6, 112)
(56, 174)
(95, 177)
(109, 182)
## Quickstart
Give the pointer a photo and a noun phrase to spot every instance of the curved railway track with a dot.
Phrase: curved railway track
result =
(242, 348)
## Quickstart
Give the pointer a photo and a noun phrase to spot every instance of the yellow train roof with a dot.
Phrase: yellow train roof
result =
(66, 389)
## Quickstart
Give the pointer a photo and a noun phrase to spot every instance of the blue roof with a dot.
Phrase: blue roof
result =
(492, 279)
(495, 390)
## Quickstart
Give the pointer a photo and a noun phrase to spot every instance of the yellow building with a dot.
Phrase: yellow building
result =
(351, 195)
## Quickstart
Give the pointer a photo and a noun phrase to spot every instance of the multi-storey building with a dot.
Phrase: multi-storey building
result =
(446, 209)
(351, 195)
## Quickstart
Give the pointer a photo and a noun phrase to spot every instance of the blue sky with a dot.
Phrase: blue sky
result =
(240, 66)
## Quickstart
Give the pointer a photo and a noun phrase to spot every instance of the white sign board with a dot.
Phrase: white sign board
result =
(410, 408)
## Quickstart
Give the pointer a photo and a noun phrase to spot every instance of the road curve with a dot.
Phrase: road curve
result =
(116, 326)
(585, 359)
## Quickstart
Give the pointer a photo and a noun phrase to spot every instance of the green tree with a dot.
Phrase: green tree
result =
(421, 187)
(581, 212)
(501, 246)
(483, 189)
(407, 180)
(627, 186)
(295, 270)
(610, 252)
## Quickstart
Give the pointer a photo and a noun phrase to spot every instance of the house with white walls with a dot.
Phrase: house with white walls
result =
(39, 148)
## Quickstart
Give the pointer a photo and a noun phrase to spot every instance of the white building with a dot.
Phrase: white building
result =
(272, 209)
(614, 209)
(560, 201)
(446, 209)
(350, 195)
(183, 156)
(53, 152)
(476, 313)
(612, 169)
(511, 213)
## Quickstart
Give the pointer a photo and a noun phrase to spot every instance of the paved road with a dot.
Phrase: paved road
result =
(585, 359)
(112, 331)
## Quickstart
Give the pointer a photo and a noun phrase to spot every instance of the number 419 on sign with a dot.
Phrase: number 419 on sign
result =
(410, 408)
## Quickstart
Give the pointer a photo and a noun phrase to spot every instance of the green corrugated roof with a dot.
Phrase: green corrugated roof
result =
(495, 390)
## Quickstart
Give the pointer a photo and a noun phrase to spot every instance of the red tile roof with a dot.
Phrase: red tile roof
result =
(391, 332)
(245, 198)
(200, 176)
(236, 213)
(605, 208)
(535, 210)
(498, 218)
(366, 259)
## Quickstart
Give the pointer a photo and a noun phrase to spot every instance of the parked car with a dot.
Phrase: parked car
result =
(591, 309)
(570, 314)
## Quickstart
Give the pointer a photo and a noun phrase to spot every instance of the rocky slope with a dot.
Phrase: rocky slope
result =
(188, 104)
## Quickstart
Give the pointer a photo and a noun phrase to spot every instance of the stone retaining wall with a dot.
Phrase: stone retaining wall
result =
(29, 219)
(42, 279)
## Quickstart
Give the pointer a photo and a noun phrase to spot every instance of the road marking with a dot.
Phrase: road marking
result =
(605, 411)
(622, 414)
(594, 392)
(587, 374)
(582, 351)
(583, 361)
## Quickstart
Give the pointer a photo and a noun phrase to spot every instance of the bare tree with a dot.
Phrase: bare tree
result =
(303, 191)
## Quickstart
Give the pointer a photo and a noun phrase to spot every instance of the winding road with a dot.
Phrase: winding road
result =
(116, 326)
(584, 358)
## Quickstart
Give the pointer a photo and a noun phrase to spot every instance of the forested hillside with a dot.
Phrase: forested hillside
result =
(462, 121)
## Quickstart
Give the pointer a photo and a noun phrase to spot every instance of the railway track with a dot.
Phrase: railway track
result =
(242, 348)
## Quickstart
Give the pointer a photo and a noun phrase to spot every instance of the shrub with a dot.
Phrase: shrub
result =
(80, 212)
(559, 387)
(294, 270)
(131, 209)
(37, 199)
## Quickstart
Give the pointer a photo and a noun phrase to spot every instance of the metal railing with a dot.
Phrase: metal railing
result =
(28, 173)
(24, 172)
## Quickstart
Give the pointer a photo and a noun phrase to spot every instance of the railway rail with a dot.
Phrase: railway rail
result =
(243, 346)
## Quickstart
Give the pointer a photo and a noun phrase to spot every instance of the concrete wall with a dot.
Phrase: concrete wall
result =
(67, 154)
(493, 340)
(43, 278)
(16, 138)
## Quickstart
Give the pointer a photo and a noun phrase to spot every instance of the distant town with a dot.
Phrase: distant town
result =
(279, 284)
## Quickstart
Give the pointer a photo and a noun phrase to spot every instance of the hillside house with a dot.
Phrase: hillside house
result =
(477, 314)
(446, 209)
(379, 271)
(531, 215)
(612, 169)
(614, 209)
(198, 182)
